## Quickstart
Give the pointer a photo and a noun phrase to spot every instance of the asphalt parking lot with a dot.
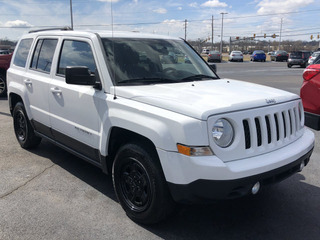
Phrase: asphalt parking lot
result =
(48, 193)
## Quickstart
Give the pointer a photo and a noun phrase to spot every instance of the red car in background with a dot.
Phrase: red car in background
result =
(310, 94)
(4, 65)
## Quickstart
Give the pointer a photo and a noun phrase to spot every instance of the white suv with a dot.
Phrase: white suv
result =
(150, 111)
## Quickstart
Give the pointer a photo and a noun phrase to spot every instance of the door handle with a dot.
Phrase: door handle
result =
(28, 82)
(56, 90)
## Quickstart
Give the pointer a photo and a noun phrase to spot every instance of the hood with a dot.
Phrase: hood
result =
(202, 99)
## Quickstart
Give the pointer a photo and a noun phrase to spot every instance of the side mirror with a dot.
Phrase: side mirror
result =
(213, 67)
(80, 76)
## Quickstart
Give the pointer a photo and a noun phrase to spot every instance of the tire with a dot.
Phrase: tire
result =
(3, 86)
(289, 65)
(23, 130)
(140, 185)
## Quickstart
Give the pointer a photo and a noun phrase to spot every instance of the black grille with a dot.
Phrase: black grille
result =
(262, 130)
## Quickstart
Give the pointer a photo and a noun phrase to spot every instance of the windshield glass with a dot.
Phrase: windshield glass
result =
(153, 61)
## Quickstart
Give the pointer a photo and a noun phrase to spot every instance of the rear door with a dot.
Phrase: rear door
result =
(75, 118)
(37, 80)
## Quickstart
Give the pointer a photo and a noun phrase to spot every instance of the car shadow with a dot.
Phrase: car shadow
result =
(287, 210)
(79, 168)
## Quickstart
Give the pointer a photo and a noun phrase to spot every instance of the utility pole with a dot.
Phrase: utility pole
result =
(71, 14)
(185, 29)
(280, 34)
(212, 33)
(222, 14)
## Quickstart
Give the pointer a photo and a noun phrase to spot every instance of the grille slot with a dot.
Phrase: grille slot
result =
(247, 133)
(277, 126)
(258, 127)
(271, 128)
(268, 129)
(284, 124)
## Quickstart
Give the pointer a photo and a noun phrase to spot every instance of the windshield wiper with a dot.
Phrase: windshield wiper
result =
(147, 80)
(197, 77)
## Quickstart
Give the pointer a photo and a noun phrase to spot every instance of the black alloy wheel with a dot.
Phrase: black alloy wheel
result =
(20, 125)
(140, 185)
(23, 130)
(135, 185)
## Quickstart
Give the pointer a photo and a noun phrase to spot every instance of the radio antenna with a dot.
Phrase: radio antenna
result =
(114, 63)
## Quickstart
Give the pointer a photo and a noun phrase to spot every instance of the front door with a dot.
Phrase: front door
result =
(74, 109)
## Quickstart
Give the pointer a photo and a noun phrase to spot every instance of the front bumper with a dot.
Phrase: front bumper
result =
(191, 179)
(206, 190)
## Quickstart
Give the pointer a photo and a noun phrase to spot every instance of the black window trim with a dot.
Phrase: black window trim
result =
(86, 40)
(35, 41)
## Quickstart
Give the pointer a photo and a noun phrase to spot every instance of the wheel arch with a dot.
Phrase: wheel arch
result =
(119, 137)
(13, 100)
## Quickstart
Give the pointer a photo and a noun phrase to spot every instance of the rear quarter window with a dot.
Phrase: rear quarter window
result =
(22, 52)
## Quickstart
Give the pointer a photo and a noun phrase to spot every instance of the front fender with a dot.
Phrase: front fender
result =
(164, 128)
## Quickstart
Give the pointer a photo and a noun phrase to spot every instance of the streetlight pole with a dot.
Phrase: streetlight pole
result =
(71, 14)
(280, 34)
(212, 33)
(222, 14)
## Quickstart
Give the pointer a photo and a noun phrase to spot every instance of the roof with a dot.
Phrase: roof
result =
(92, 33)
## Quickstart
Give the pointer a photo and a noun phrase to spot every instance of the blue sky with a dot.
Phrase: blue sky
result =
(244, 18)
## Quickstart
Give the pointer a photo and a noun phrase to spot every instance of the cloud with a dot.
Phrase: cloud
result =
(114, 1)
(161, 10)
(17, 23)
(194, 5)
(214, 3)
(276, 6)
(179, 8)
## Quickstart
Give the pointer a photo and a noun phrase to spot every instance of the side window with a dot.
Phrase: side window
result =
(43, 54)
(76, 53)
(22, 52)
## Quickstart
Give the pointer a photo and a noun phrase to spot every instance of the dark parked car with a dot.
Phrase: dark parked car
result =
(214, 56)
(279, 56)
(258, 55)
(299, 58)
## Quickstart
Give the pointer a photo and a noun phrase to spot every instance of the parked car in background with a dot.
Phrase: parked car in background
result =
(205, 51)
(313, 57)
(299, 58)
(4, 65)
(310, 94)
(236, 56)
(279, 56)
(214, 56)
(258, 55)
(270, 53)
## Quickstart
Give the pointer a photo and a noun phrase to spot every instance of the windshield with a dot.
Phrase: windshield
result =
(153, 61)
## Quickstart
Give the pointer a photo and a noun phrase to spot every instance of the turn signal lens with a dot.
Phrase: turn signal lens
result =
(194, 151)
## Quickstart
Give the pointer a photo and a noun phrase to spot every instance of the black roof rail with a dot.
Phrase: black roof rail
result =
(51, 29)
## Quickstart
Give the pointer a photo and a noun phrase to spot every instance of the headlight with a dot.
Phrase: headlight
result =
(222, 133)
